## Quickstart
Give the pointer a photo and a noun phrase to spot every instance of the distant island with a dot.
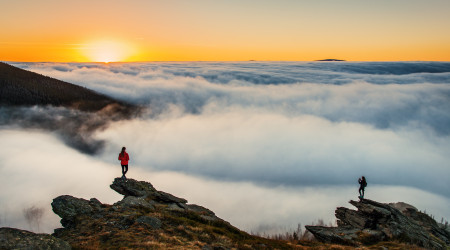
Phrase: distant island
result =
(330, 60)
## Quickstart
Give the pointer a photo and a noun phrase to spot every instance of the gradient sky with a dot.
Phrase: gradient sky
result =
(231, 30)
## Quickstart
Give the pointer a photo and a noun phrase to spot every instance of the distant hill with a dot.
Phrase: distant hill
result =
(330, 60)
(20, 87)
(85, 111)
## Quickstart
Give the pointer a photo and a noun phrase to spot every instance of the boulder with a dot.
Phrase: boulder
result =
(67, 206)
(11, 238)
(374, 222)
(130, 187)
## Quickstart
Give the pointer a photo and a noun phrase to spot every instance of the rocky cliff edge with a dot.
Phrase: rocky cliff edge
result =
(373, 222)
(148, 219)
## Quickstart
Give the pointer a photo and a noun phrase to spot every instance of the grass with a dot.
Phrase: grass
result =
(188, 230)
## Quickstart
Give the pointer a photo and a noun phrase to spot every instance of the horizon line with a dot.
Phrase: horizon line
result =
(207, 61)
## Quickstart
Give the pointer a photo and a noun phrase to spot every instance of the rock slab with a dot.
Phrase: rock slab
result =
(374, 222)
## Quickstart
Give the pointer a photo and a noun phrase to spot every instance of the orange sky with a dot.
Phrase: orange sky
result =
(224, 30)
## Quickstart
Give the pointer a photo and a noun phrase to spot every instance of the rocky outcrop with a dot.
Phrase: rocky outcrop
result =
(69, 207)
(139, 197)
(130, 187)
(374, 222)
(146, 218)
(11, 238)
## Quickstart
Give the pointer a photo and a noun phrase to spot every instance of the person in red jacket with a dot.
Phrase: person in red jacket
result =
(124, 158)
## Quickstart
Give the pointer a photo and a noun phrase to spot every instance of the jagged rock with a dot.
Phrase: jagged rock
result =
(67, 206)
(338, 235)
(11, 238)
(131, 201)
(95, 204)
(166, 197)
(200, 210)
(429, 224)
(130, 187)
(402, 207)
(147, 219)
(153, 222)
(374, 222)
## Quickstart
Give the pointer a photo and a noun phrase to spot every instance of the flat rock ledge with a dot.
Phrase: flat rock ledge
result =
(373, 222)
(138, 196)
(12, 238)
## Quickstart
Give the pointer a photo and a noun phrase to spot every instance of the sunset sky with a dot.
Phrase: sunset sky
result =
(231, 30)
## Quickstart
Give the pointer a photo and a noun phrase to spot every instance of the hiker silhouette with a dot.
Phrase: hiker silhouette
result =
(362, 185)
(124, 158)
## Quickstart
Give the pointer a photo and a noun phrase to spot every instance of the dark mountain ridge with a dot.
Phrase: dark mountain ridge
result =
(33, 101)
(20, 87)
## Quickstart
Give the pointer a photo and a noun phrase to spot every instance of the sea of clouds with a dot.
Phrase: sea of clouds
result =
(266, 145)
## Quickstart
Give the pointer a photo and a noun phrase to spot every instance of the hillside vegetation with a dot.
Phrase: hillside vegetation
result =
(33, 101)
(20, 87)
(147, 218)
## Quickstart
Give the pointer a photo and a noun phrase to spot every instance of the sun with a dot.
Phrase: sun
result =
(107, 51)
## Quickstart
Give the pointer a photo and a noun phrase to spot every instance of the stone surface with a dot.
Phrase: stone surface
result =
(200, 209)
(166, 197)
(11, 238)
(144, 219)
(175, 207)
(131, 187)
(95, 204)
(402, 207)
(374, 222)
(152, 222)
(131, 201)
(67, 206)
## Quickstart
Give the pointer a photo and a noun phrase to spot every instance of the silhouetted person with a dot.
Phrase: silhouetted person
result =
(362, 184)
(124, 158)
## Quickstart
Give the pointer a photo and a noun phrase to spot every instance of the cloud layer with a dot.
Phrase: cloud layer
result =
(384, 95)
(34, 175)
(277, 130)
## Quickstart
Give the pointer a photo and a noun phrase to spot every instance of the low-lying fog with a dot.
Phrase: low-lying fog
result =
(264, 145)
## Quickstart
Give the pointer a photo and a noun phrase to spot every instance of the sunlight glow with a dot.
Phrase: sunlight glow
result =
(107, 51)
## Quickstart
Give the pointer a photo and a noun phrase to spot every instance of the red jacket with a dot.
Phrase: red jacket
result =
(124, 159)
